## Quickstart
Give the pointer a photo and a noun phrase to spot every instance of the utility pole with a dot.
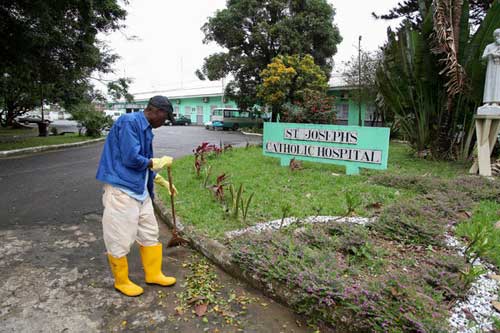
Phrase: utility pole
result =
(360, 120)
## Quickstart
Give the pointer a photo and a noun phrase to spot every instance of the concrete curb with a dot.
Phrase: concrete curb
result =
(251, 134)
(221, 256)
(22, 151)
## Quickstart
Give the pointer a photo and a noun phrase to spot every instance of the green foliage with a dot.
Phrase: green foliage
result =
(245, 205)
(235, 201)
(285, 212)
(409, 83)
(317, 180)
(316, 108)
(35, 141)
(288, 79)
(255, 32)
(410, 222)
(435, 114)
(89, 118)
(352, 202)
(481, 235)
(410, 10)
(328, 272)
(470, 274)
(238, 203)
(364, 77)
(119, 89)
(51, 49)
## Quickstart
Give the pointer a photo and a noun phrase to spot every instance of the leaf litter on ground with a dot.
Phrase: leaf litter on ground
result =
(204, 295)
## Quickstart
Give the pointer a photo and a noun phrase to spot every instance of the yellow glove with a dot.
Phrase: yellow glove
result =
(163, 182)
(161, 163)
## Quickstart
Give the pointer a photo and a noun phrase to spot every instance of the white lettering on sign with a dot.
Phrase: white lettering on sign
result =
(333, 153)
(319, 135)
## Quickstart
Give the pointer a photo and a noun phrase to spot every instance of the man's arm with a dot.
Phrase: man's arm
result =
(130, 147)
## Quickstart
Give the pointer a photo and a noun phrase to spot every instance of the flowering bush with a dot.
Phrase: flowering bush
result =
(317, 108)
(382, 290)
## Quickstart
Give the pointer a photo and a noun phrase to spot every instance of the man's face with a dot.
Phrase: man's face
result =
(158, 118)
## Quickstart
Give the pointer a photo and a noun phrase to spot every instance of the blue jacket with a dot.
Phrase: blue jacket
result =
(126, 154)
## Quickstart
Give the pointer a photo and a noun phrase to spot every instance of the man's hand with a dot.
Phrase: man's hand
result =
(158, 164)
(164, 183)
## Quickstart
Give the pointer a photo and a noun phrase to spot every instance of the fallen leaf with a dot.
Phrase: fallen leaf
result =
(469, 315)
(495, 277)
(375, 205)
(229, 314)
(263, 304)
(124, 323)
(200, 309)
(179, 310)
(464, 215)
(395, 293)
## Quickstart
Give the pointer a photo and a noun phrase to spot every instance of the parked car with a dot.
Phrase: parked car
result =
(180, 120)
(30, 119)
(208, 125)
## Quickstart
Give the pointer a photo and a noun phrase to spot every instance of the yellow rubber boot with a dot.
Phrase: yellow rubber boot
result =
(119, 267)
(151, 260)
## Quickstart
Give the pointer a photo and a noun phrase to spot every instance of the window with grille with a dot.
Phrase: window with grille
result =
(370, 113)
(343, 111)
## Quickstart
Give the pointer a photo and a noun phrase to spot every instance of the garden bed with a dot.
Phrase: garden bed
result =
(397, 273)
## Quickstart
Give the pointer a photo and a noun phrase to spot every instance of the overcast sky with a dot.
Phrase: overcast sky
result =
(169, 47)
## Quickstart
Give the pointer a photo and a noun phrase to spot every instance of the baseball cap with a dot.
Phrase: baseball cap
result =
(162, 103)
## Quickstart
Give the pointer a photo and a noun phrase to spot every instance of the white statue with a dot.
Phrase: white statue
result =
(492, 85)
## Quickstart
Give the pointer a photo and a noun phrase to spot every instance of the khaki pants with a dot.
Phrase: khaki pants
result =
(126, 220)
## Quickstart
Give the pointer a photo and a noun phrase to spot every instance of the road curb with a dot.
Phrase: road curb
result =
(251, 134)
(221, 256)
(22, 151)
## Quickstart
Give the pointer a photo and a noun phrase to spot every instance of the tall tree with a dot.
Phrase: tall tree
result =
(412, 11)
(288, 78)
(254, 32)
(50, 50)
(432, 76)
(360, 72)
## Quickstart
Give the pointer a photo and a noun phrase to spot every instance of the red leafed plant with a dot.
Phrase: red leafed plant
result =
(218, 188)
(201, 152)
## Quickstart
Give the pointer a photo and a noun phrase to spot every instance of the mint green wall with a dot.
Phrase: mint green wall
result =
(193, 103)
(186, 106)
(341, 97)
(354, 113)
(353, 106)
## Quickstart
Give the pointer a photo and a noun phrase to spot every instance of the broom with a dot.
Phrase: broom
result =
(176, 240)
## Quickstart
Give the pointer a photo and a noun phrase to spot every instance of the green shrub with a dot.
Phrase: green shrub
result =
(92, 120)
(410, 222)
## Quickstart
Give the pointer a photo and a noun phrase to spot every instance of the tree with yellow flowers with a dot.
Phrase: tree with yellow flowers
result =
(289, 79)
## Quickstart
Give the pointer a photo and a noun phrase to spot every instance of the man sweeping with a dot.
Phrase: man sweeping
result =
(128, 169)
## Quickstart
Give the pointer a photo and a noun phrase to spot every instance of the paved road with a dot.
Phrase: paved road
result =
(54, 275)
(60, 186)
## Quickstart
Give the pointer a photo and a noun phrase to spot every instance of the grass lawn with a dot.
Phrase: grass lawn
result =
(35, 141)
(317, 189)
(13, 132)
(395, 275)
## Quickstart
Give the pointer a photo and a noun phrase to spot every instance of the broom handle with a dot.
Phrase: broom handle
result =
(169, 171)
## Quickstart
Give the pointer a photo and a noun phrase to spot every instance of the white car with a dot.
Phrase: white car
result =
(208, 125)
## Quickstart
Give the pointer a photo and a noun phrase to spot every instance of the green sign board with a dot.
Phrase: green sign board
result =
(353, 146)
